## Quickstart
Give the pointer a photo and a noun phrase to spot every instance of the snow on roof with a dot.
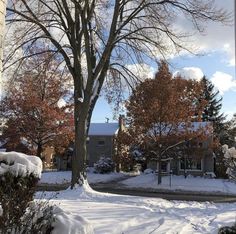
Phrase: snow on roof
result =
(103, 129)
(20, 164)
(206, 127)
(198, 125)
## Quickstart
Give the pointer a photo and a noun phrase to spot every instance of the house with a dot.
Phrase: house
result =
(100, 143)
(197, 157)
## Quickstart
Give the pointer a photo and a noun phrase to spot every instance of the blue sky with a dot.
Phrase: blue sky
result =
(217, 63)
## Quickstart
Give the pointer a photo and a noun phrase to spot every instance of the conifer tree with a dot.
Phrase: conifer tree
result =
(211, 112)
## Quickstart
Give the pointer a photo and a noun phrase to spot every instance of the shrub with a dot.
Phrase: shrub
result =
(19, 214)
(104, 165)
(227, 230)
(38, 218)
(15, 194)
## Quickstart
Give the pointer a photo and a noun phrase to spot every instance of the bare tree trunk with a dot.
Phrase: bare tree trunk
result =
(79, 155)
(80, 151)
(39, 150)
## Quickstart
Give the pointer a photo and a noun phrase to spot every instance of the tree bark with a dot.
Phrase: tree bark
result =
(79, 155)
(80, 152)
(39, 150)
(81, 120)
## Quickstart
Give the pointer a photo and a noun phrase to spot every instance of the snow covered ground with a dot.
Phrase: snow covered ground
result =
(198, 184)
(113, 214)
(62, 177)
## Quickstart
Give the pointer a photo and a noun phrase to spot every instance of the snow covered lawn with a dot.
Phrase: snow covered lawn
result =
(62, 177)
(116, 214)
(198, 184)
(148, 181)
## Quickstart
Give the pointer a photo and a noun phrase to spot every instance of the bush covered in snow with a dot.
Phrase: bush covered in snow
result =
(38, 218)
(230, 161)
(228, 230)
(104, 165)
(15, 194)
(19, 174)
(148, 171)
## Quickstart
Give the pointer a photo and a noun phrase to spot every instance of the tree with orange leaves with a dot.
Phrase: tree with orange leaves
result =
(31, 106)
(161, 113)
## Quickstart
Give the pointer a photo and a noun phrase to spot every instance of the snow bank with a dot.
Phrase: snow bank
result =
(20, 164)
(66, 222)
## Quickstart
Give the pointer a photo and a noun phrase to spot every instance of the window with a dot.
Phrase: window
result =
(164, 166)
(101, 142)
(200, 144)
(191, 164)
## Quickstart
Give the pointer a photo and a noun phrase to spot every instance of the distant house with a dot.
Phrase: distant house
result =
(100, 143)
(197, 157)
(18, 146)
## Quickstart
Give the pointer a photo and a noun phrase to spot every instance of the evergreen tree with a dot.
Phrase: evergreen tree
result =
(230, 132)
(211, 112)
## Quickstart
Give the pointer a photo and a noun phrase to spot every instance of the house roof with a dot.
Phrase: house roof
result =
(183, 127)
(103, 129)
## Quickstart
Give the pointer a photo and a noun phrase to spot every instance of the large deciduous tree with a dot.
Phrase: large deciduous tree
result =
(31, 106)
(161, 113)
(98, 38)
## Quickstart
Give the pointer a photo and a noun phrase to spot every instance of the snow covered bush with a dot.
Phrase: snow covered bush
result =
(228, 230)
(104, 165)
(230, 161)
(148, 171)
(38, 218)
(19, 174)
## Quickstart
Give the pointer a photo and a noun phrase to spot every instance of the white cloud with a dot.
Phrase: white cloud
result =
(141, 70)
(194, 73)
(229, 115)
(229, 49)
(61, 103)
(215, 38)
(223, 82)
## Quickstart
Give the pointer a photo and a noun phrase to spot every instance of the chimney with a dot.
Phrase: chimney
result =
(121, 122)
